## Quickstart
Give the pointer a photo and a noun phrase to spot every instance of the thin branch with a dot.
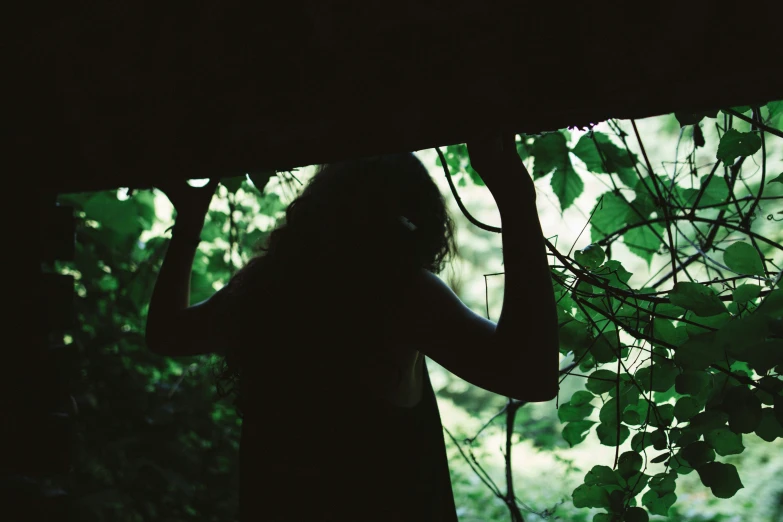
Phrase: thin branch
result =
(756, 122)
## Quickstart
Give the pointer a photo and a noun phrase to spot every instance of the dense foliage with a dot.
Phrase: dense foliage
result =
(690, 361)
(678, 369)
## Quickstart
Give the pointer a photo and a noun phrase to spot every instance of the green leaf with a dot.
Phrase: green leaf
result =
(697, 453)
(602, 476)
(664, 330)
(709, 420)
(744, 409)
(669, 311)
(662, 416)
(608, 413)
(233, 184)
(602, 349)
(697, 326)
(776, 179)
(636, 514)
(698, 353)
(657, 377)
(692, 382)
(590, 257)
(607, 434)
(713, 189)
(548, 151)
(551, 154)
(761, 356)
(601, 381)
(734, 144)
(644, 241)
(725, 441)
(661, 458)
(475, 177)
(590, 496)
(743, 259)
(686, 408)
(663, 482)
(581, 397)
(609, 214)
(614, 158)
(568, 412)
(574, 337)
(576, 432)
(744, 293)
(659, 503)
(629, 463)
(613, 273)
(769, 428)
(721, 478)
(693, 296)
(567, 185)
(685, 118)
(767, 388)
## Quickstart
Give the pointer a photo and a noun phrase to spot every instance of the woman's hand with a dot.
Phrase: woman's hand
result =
(191, 203)
(494, 156)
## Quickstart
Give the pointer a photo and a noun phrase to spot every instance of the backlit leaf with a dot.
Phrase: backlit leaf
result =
(743, 259)
(734, 144)
(721, 478)
(700, 298)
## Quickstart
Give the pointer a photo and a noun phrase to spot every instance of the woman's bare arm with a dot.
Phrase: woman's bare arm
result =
(517, 357)
(173, 326)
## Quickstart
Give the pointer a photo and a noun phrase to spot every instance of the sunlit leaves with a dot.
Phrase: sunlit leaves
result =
(590, 257)
(744, 293)
(691, 382)
(608, 434)
(659, 376)
(700, 298)
(698, 353)
(629, 463)
(743, 259)
(658, 503)
(551, 154)
(613, 273)
(769, 428)
(734, 144)
(576, 432)
(601, 155)
(693, 118)
(577, 408)
(721, 478)
(590, 496)
(713, 190)
(686, 408)
(724, 441)
(601, 381)
(744, 409)
(697, 453)
(608, 215)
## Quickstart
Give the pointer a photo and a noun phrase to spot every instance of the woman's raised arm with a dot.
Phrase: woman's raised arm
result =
(517, 357)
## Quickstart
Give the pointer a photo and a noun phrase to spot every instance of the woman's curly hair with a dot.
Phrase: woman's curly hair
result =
(380, 216)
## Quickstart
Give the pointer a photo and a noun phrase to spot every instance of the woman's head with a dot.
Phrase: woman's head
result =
(373, 212)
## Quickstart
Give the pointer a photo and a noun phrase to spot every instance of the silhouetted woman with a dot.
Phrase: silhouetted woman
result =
(325, 335)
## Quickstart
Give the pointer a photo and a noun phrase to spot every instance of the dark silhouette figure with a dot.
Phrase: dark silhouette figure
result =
(325, 335)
